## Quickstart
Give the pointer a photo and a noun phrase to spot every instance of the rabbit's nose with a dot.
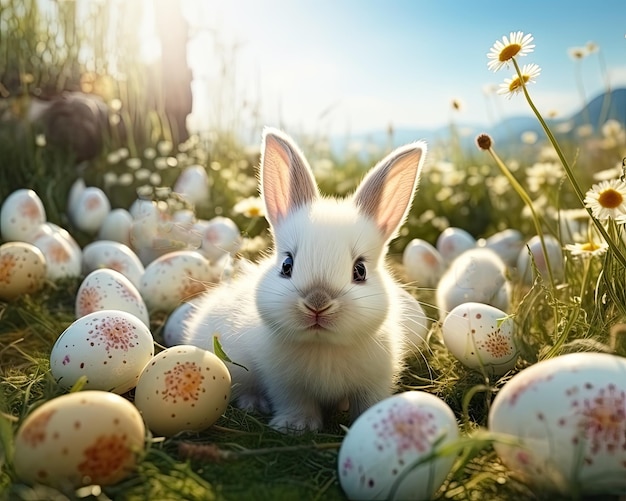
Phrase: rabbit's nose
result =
(317, 301)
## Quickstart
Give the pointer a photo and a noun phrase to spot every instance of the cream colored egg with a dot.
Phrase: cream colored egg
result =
(22, 269)
(174, 328)
(481, 337)
(183, 388)
(21, 214)
(109, 347)
(115, 256)
(106, 289)
(62, 258)
(116, 226)
(90, 209)
(83, 438)
(174, 278)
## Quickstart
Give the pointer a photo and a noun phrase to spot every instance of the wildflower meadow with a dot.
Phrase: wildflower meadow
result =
(513, 386)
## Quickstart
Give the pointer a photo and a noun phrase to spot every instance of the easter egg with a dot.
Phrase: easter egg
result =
(378, 456)
(452, 242)
(109, 347)
(90, 209)
(22, 212)
(115, 256)
(481, 336)
(506, 244)
(531, 259)
(193, 184)
(106, 289)
(479, 276)
(173, 278)
(173, 330)
(116, 226)
(183, 388)
(82, 438)
(62, 257)
(563, 423)
(22, 269)
(422, 263)
(219, 236)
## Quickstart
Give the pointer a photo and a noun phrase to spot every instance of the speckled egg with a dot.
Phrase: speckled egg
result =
(193, 184)
(22, 269)
(506, 244)
(106, 289)
(568, 415)
(22, 212)
(422, 263)
(183, 388)
(479, 276)
(452, 242)
(90, 209)
(62, 258)
(173, 278)
(83, 438)
(377, 456)
(109, 347)
(219, 236)
(115, 256)
(481, 337)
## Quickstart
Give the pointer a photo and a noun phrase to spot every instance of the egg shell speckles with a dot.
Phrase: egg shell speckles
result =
(62, 258)
(87, 437)
(22, 269)
(386, 441)
(173, 278)
(106, 289)
(183, 388)
(109, 347)
(569, 414)
(21, 214)
(90, 209)
(481, 336)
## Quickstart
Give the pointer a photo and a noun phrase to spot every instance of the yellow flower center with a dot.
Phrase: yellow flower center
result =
(253, 212)
(610, 199)
(589, 247)
(516, 83)
(509, 51)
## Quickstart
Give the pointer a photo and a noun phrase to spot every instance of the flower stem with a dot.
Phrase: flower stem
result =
(568, 170)
(529, 203)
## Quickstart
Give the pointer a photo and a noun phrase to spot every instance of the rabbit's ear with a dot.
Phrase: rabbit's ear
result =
(386, 193)
(287, 182)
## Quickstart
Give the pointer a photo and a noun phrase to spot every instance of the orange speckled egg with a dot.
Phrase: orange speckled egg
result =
(182, 388)
(82, 438)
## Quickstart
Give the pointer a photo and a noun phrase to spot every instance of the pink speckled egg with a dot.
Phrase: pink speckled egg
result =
(113, 255)
(183, 388)
(378, 455)
(568, 415)
(82, 438)
(175, 277)
(21, 214)
(109, 347)
(106, 289)
(481, 337)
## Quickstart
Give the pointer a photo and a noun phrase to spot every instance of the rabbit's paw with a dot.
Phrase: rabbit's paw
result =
(296, 423)
(253, 402)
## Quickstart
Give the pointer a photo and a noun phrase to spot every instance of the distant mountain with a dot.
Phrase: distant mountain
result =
(605, 106)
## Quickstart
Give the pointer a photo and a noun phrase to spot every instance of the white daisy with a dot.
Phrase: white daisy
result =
(515, 85)
(607, 199)
(501, 53)
(587, 249)
(250, 207)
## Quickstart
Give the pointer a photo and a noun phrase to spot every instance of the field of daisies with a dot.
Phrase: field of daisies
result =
(515, 386)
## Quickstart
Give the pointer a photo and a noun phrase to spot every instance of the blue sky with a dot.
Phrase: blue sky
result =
(358, 65)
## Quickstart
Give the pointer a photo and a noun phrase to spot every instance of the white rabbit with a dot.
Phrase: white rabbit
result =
(320, 321)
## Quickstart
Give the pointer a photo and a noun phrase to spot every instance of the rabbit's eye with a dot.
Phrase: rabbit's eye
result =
(359, 272)
(287, 266)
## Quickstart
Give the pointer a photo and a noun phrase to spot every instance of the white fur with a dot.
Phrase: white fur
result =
(300, 360)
